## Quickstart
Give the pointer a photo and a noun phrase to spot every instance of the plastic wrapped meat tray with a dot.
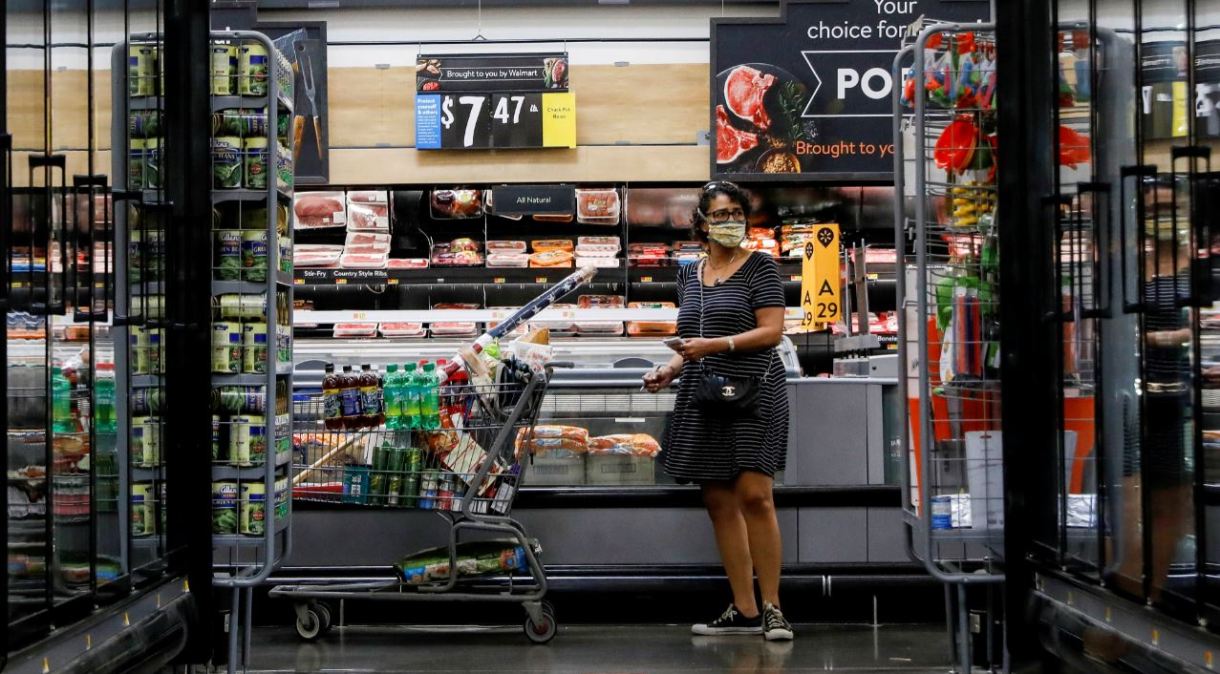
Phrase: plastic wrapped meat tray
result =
(453, 329)
(600, 328)
(316, 210)
(363, 260)
(368, 217)
(508, 260)
(316, 255)
(367, 239)
(402, 330)
(355, 330)
(552, 258)
(599, 262)
(407, 263)
(561, 328)
(506, 247)
(634, 444)
(368, 197)
(599, 302)
(651, 328)
(549, 245)
(456, 204)
(598, 207)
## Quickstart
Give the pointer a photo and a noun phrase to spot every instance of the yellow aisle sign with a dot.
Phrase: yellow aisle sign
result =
(821, 293)
(559, 119)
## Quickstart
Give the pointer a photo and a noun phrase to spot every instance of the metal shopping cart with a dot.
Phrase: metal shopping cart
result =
(468, 472)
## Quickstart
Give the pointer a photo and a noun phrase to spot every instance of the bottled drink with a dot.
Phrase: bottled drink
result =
(105, 419)
(61, 407)
(332, 399)
(430, 403)
(349, 396)
(393, 397)
(371, 399)
(410, 396)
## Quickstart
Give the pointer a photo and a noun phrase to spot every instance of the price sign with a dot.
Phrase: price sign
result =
(821, 293)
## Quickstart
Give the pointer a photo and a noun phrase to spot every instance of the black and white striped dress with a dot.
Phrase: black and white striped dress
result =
(701, 448)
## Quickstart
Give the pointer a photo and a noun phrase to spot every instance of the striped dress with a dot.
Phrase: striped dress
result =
(700, 448)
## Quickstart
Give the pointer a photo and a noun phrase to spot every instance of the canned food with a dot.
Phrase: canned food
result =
(254, 348)
(138, 340)
(146, 441)
(254, 254)
(228, 255)
(135, 163)
(215, 438)
(156, 351)
(429, 483)
(238, 399)
(145, 401)
(141, 68)
(253, 508)
(144, 123)
(142, 511)
(942, 512)
(256, 162)
(281, 499)
(224, 507)
(398, 463)
(224, 69)
(234, 307)
(283, 167)
(258, 440)
(226, 162)
(411, 468)
(152, 163)
(254, 69)
(226, 348)
(239, 440)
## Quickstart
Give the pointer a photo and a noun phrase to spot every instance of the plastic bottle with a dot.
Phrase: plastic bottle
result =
(105, 418)
(430, 403)
(392, 396)
(349, 396)
(332, 399)
(410, 397)
(61, 409)
(371, 398)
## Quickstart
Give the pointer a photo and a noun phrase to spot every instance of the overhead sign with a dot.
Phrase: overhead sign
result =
(809, 95)
(493, 102)
(533, 199)
(821, 279)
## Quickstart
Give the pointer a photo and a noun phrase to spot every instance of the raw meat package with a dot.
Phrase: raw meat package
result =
(599, 262)
(648, 254)
(453, 329)
(456, 306)
(553, 217)
(368, 217)
(367, 242)
(550, 259)
(402, 330)
(456, 204)
(355, 330)
(507, 260)
(762, 238)
(587, 245)
(634, 444)
(368, 197)
(558, 327)
(363, 260)
(548, 245)
(407, 263)
(444, 256)
(600, 302)
(316, 255)
(652, 328)
(507, 247)
(598, 207)
(315, 210)
(464, 245)
(602, 328)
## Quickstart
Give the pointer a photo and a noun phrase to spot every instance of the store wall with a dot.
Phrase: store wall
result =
(640, 75)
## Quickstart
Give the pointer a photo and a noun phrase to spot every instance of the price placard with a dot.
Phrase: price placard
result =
(471, 121)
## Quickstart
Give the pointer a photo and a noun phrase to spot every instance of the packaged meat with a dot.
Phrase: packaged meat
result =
(315, 210)
(598, 243)
(460, 259)
(651, 328)
(368, 197)
(576, 433)
(402, 330)
(464, 245)
(407, 263)
(559, 327)
(553, 217)
(316, 255)
(550, 259)
(508, 260)
(363, 260)
(369, 217)
(456, 204)
(682, 209)
(600, 302)
(598, 207)
(599, 262)
(600, 328)
(368, 249)
(595, 252)
(507, 246)
(547, 245)
(453, 329)
(456, 306)
(366, 239)
(635, 444)
(355, 330)
(646, 206)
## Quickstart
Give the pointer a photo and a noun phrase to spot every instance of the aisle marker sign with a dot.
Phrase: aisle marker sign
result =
(821, 293)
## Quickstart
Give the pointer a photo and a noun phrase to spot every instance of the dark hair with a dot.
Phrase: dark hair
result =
(711, 191)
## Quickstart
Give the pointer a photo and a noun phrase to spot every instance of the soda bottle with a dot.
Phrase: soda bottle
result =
(61, 407)
(371, 399)
(105, 418)
(410, 396)
(349, 395)
(332, 399)
(430, 404)
(391, 393)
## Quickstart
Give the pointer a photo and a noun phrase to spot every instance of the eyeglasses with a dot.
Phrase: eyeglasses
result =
(725, 215)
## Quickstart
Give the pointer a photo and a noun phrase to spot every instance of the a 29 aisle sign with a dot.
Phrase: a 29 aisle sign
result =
(821, 289)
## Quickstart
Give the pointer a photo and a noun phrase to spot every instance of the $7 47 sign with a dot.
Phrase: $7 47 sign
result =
(471, 108)
(494, 120)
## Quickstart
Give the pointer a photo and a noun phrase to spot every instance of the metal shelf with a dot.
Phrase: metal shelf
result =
(253, 473)
(222, 196)
(146, 103)
(241, 287)
(252, 102)
(147, 380)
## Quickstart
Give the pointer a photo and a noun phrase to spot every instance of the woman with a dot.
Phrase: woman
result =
(731, 319)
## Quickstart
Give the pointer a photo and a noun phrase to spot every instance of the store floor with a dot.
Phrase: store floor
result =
(909, 649)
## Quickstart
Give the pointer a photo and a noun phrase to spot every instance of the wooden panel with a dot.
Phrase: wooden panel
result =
(643, 104)
(77, 165)
(68, 91)
(26, 108)
(585, 164)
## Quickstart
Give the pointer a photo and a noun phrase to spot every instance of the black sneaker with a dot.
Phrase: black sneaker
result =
(775, 625)
(730, 622)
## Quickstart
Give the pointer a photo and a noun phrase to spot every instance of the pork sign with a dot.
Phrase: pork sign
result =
(807, 96)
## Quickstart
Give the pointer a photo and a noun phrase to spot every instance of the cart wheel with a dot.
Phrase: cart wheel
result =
(323, 613)
(541, 633)
(310, 628)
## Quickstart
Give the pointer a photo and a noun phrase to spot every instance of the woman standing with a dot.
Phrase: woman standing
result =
(731, 319)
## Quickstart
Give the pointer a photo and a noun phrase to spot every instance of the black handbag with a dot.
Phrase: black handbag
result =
(724, 395)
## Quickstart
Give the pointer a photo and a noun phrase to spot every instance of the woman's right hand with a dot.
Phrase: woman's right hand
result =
(659, 378)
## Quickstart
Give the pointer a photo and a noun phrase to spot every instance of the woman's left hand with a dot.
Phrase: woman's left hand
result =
(698, 348)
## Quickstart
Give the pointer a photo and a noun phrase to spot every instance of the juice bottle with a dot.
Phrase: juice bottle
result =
(370, 397)
(349, 396)
(430, 405)
(332, 399)
(104, 415)
(61, 407)
(392, 397)
(410, 396)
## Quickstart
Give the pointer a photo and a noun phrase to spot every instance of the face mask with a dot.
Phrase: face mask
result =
(727, 234)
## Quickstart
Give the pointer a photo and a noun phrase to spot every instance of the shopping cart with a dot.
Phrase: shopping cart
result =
(468, 472)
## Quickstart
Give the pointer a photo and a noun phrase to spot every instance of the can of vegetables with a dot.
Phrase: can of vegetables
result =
(256, 162)
(253, 520)
(254, 254)
(226, 162)
(228, 255)
(224, 507)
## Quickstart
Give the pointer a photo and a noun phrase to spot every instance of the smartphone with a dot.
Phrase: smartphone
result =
(673, 342)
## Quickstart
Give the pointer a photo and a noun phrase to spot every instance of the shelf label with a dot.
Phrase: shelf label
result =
(645, 279)
(540, 279)
(820, 289)
(499, 279)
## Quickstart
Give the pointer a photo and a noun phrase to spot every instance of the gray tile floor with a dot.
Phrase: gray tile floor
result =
(597, 649)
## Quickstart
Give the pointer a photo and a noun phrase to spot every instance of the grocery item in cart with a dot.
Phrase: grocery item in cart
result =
(474, 558)
(551, 259)
(597, 206)
(355, 330)
(651, 328)
(316, 255)
(315, 210)
(368, 216)
(402, 330)
(456, 204)
(363, 260)
(635, 444)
